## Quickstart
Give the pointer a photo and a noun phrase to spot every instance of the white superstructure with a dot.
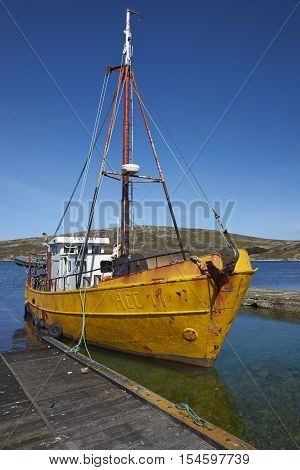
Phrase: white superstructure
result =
(66, 254)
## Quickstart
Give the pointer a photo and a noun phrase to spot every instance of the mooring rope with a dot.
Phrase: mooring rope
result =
(76, 348)
(191, 412)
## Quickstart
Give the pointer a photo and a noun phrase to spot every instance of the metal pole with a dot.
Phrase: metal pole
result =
(125, 212)
(125, 209)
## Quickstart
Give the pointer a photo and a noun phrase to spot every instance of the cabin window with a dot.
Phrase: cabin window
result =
(106, 266)
(97, 250)
(69, 266)
(69, 249)
(83, 267)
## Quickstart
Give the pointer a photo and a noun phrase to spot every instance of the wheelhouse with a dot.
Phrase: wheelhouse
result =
(65, 254)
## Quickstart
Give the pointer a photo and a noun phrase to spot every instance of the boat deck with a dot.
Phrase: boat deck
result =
(46, 402)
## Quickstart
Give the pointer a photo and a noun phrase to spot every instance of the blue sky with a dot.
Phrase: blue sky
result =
(190, 60)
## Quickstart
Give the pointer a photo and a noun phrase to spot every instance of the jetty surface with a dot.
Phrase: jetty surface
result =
(49, 400)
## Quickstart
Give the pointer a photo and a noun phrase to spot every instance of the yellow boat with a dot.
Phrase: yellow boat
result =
(174, 312)
(172, 306)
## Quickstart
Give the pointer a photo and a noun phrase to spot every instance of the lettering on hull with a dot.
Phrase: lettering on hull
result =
(128, 301)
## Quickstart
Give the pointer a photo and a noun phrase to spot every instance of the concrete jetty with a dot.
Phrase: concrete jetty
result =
(277, 300)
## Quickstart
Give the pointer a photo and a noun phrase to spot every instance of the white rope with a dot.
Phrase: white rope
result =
(82, 339)
(77, 346)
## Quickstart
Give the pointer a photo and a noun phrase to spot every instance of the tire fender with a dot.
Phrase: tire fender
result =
(55, 330)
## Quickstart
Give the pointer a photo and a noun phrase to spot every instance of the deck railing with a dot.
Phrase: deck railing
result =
(40, 281)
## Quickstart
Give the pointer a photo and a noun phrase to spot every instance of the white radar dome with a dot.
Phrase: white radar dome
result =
(130, 168)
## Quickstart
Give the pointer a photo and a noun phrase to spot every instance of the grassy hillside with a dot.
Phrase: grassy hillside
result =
(148, 239)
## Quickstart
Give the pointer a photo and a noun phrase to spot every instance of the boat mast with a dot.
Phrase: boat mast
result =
(125, 209)
(126, 80)
(125, 205)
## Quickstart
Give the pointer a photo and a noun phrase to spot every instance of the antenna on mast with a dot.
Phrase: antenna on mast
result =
(127, 51)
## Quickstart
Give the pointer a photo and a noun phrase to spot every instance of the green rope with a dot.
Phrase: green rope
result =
(191, 412)
(76, 348)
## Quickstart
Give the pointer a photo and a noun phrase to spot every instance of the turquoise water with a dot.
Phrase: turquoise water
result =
(253, 391)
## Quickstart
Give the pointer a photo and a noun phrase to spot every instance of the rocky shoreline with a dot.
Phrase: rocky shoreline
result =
(280, 300)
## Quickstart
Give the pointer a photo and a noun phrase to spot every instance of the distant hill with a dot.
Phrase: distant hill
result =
(148, 239)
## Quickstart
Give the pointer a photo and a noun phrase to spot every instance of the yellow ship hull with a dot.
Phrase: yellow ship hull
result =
(173, 312)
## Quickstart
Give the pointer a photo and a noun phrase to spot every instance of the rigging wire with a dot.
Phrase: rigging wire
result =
(103, 162)
(82, 338)
(223, 230)
(82, 171)
(105, 152)
(92, 145)
(90, 152)
(95, 136)
(100, 176)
